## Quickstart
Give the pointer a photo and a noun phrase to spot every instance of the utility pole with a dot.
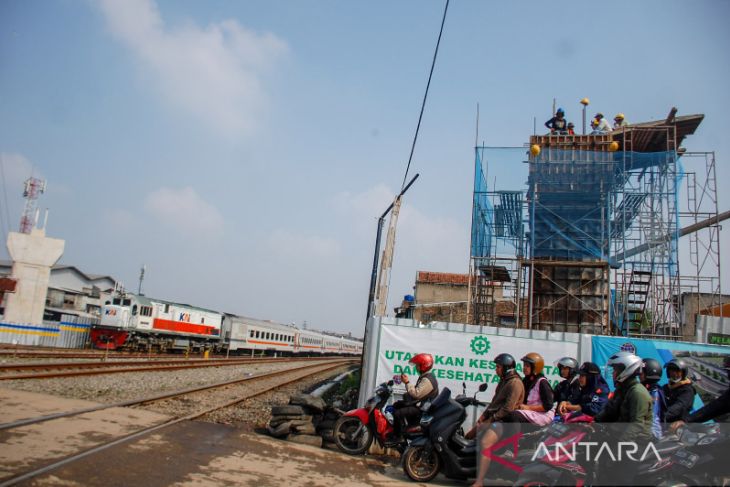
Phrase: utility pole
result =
(374, 274)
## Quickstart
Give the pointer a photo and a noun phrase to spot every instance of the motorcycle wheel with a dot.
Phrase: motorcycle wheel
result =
(344, 434)
(420, 465)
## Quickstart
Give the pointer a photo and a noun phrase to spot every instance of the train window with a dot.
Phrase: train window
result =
(126, 302)
(167, 308)
(257, 334)
(202, 321)
(117, 301)
(250, 333)
(134, 310)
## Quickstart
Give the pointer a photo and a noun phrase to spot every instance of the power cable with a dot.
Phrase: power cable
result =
(425, 95)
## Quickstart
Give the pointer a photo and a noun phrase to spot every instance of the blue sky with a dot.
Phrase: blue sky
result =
(243, 150)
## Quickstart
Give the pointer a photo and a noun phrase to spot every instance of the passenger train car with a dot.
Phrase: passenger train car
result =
(136, 322)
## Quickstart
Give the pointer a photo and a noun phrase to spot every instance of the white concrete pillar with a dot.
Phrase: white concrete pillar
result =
(33, 256)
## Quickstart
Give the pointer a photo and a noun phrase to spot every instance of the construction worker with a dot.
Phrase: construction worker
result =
(619, 121)
(558, 124)
(602, 126)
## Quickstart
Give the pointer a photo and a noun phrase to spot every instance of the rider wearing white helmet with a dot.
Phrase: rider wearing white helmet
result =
(631, 402)
(631, 406)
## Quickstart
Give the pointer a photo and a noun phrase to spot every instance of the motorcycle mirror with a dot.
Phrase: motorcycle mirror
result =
(463, 387)
(483, 387)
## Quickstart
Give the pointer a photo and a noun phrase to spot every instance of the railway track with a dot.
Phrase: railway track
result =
(256, 385)
(74, 369)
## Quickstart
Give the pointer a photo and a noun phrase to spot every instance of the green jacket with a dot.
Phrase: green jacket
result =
(632, 406)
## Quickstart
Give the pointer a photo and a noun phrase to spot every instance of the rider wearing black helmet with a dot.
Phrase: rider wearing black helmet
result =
(650, 375)
(508, 396)
(593, 392)
(718, 407)
(678, 392)
(567, 390)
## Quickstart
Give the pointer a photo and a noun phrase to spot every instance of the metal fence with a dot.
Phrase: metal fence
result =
(71, 332)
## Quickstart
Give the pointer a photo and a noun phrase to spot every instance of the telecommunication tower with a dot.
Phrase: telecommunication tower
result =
(34, 187)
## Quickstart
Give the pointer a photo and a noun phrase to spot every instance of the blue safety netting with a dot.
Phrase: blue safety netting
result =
(570, 204)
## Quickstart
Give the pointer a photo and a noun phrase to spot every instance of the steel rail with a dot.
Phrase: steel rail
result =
(72, 458)
(113, 369)
(157, 397)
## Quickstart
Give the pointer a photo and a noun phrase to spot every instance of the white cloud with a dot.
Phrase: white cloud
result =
(184, 210)
(423, 242)
(294, 245)
(213, 73)
(17, 168)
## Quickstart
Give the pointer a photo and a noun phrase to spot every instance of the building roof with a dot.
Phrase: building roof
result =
(60, 267)
(426, 277)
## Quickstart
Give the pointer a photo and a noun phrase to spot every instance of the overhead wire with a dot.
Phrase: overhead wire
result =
(425, 95)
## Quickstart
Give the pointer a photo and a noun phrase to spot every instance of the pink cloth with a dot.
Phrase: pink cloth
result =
(533, 399)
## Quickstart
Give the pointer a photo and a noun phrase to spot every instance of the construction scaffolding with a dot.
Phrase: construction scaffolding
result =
(590, 244)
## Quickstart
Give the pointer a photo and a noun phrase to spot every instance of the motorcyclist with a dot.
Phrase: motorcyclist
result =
(631, 406)
(678, 392)
(568, 390)
(427, 387)
(650, 375)
(510, 393)
(593, 392)
(716, 408)
(537, 407)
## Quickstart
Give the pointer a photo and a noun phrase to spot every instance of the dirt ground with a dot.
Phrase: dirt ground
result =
(187, 454)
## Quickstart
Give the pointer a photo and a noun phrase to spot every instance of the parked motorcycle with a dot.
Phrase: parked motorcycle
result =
(356, 430)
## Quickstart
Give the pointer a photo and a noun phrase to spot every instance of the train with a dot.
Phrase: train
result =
(135, 322)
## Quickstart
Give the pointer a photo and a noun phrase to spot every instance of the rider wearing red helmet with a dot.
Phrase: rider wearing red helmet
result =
(426, 387)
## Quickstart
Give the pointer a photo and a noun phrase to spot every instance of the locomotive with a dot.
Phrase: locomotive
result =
(134, 322)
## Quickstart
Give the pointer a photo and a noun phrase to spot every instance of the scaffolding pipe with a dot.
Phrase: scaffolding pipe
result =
(682, 232)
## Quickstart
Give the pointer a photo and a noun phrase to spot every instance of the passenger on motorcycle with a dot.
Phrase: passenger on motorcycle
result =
(593, 392)
(650, 375)
(716, 408)
(510, 393)
(679, 392)
(537, 407)
(407, 410)
(631, 406)
(568, 390)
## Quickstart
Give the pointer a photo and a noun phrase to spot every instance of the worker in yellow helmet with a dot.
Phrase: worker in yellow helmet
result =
(619, 121)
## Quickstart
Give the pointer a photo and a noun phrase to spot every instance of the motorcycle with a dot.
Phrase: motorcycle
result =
(559, 464)
(356, 430)
(702, 460)
(441, 445)
(442, 448)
